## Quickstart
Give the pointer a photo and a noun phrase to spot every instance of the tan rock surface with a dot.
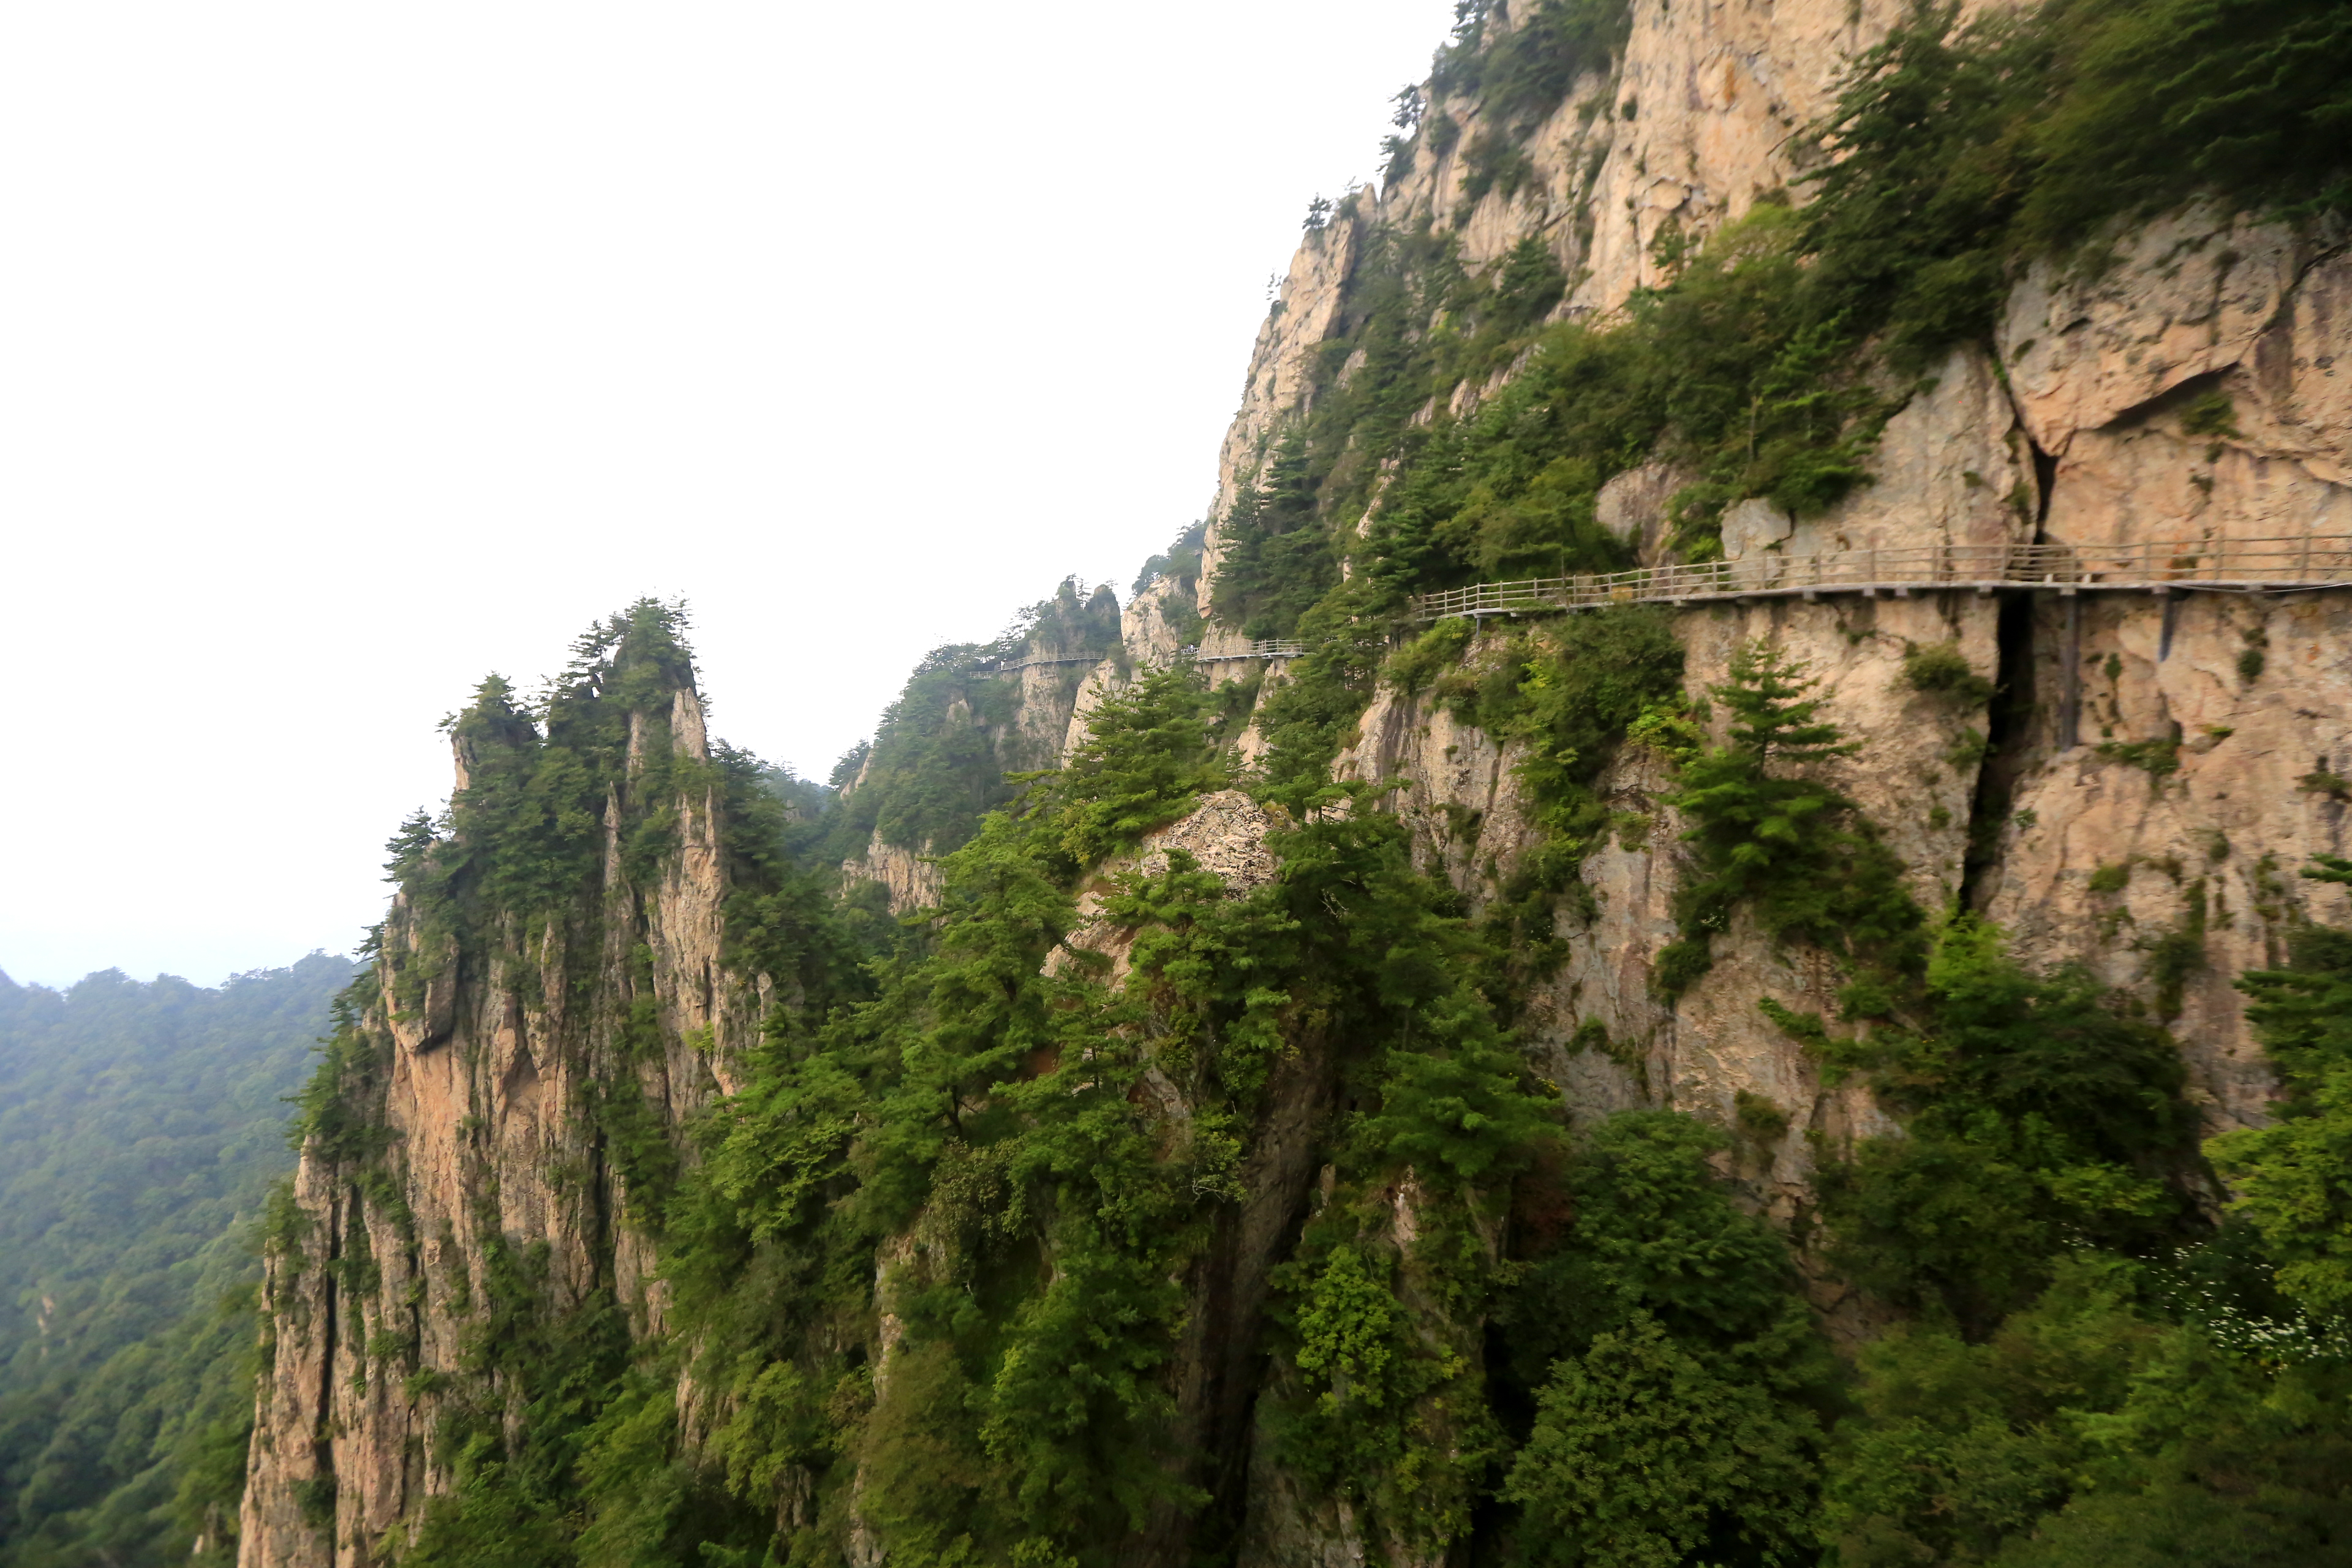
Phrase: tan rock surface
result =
(2187, 295)
(488, 1150)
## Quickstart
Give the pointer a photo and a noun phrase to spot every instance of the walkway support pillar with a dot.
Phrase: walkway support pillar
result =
(2070, 654)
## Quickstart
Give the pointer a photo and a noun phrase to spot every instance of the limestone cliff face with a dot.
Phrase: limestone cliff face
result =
(1154, 629)
(2152, 774)
(477, 1068)
(2071, 434)
(2246, 696)
(1705, 108)
(2069, 431)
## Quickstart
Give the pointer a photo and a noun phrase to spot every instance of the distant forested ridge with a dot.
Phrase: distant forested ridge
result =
(141, 1125)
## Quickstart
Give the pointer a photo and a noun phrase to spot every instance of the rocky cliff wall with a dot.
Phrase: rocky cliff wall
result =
(1704, 109)
(2133, 796)
(469, 1160)
(2090, 436)
(2078, 425)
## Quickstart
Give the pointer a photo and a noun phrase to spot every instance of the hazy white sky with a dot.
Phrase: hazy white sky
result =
(350, 352)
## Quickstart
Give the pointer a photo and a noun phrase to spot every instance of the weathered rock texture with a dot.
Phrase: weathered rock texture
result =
(1706, 108)
(2074, 436)
(2197, 303)
(2194, 780)
(480, 1062)
(2092, 422)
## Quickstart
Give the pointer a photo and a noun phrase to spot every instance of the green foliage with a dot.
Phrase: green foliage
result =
(1955, 153)
(2210, 413)
(2290, 1182)
(939, 757)
(2322, 782)
(2291, 1178)
(985, 1098)
(1678, 1379)
(1148, 751)
(996, 1109)
(1307, 719)
(2093, 1427)
(1759, 1117)
(1789, 848)
(1180, 559)
(2038, 1115)
(2187, 1412)
(2160, 758)
(541, 1377)
(141, 1130)
(1520, 77)
(2178, 954)
(1964, 150)
(1942, 668)
(1431, 654)
(1570, 692)
(1718, 374)
(2302, 1013)
(527, 828)
(1654, 1234)
(1644, 1454)
(1277, 562)
(1347, 1331)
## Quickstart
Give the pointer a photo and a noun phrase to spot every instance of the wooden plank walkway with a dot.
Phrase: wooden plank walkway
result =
(1275, 647)
(2234, 565)
(2310, 560)
(1034, 663)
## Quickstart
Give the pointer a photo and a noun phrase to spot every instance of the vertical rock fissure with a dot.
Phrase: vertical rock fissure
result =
(2070, 676)
(323, 1438)
(2008, 731)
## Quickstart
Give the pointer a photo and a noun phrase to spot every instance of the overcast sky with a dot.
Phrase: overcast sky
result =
(350, 352)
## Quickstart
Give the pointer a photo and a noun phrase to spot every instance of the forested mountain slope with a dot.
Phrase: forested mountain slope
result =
(1823, 1078)
(141, 1125)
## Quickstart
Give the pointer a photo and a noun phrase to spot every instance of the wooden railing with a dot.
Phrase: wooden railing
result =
(1269, 648)
(2308, 560)
(1034, 663)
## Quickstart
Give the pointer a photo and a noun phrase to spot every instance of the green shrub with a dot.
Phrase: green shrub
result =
(1673, 1368)
(2159, 758)
(1761, 1120)
(1789, 848)
(2335, 786)
(2290, 1178)
(1942, 668)
(2177, 956)
(1150, 751)
(1519, 76)
(1643, 1453)
(1571, 693)
(2210, 413)
(2037, 1112)
(1431, 654)
(2135, 1414)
